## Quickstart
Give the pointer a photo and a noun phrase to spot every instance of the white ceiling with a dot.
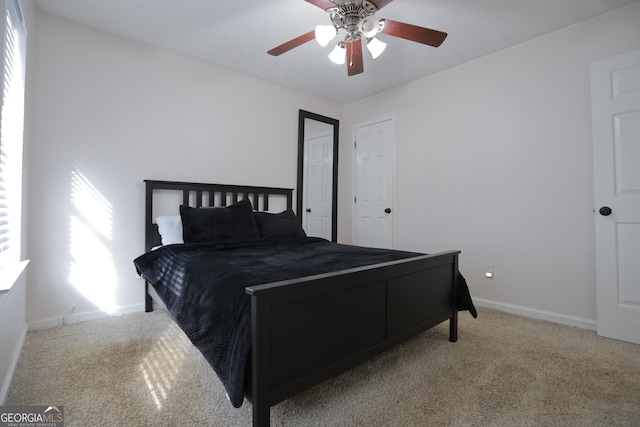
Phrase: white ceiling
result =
(237, 34)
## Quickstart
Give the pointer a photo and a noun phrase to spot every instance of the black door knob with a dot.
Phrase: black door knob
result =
(388, 210)
(309, 210)
(605, 211)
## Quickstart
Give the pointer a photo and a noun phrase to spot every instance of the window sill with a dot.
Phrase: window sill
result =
(10, 274)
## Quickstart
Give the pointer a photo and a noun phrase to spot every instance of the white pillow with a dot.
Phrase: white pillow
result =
(170, 229)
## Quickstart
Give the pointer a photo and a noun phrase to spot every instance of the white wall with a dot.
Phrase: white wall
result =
(108, 113)
(494, 157)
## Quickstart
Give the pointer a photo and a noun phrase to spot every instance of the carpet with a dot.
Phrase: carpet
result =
(505, 370)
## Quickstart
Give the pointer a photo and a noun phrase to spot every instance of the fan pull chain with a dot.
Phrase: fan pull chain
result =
(351, 55)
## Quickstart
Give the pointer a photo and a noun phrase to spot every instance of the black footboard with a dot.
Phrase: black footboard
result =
(311, 329)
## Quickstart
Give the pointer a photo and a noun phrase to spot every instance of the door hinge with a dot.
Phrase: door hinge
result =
(355, 199)
(354, 144)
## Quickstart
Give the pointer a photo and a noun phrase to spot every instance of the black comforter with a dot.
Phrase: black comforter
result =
(203, 286)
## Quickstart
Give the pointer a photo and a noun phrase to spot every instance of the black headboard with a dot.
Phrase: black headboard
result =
(199, 195)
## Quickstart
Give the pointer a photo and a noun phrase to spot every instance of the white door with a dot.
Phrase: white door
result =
(319, 173)
(374, 175)
(615, 90)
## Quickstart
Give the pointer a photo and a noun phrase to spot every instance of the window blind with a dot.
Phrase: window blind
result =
(11, 132)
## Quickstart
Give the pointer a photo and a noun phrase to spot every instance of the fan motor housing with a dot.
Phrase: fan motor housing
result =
(350, 14)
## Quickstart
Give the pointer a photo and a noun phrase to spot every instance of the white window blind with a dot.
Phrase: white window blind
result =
(11, 132)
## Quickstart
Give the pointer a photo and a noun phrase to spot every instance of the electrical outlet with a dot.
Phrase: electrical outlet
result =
(489, 270)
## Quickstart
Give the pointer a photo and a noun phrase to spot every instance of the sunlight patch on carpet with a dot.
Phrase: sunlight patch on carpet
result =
(162, 364)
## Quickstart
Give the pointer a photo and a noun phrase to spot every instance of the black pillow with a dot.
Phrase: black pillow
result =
(284, 224)
(210, 224)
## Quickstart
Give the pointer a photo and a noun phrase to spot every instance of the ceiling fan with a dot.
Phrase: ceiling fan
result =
(357, 18)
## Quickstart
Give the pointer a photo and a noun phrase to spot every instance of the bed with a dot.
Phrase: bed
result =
(275, 312)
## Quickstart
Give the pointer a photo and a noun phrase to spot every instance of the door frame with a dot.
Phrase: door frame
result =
(354, 174)
(300, 183)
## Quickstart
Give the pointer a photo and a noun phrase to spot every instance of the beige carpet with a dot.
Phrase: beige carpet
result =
(505, 370)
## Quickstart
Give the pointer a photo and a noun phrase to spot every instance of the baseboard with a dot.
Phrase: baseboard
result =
(82, 317)
(537, 314)
(6, 383)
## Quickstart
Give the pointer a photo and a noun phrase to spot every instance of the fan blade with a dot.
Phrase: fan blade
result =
(285, 47)
(354, 58)
(322, 4)
(379, 3)
(413, 32)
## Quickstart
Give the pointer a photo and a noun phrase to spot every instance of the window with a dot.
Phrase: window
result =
(11, 132)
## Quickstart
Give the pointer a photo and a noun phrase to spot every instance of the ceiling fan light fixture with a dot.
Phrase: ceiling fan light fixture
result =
(369, 26)
(338, 54)
(376, 47)
(357, 18)
(325, 33)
